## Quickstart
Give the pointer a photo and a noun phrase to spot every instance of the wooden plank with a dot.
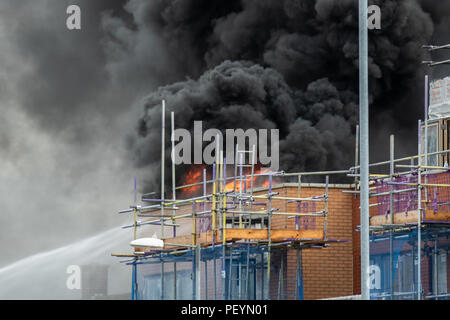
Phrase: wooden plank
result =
(205, 239)
(411, 217)
(276, 235)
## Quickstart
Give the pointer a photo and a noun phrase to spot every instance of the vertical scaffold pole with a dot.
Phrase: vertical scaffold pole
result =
(262, 276)
(230, 276)
(172, 138)
(206, 278)
(419, 227)
(426, 140)
(435, 270)
(236, 156)
(269, 227)
(235, 166)
(391, 211)
(214, 204)
(299, 193)
(419, 213)
(213, 209)
(194, 273)
(219, 179)
(325, 224)
(240, 188)
(426, 115)
(252, 183)
(135, 209)
(280, 278)
(163, 115)
(198, 286)
(216, 208)
(247, 280)
(224, 193)
(356, 158)
(254, 280)
(194, 223)
(134, 282)
(299, 288)
(364, 143)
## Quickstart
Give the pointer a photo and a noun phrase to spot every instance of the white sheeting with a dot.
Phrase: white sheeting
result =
(439, 99)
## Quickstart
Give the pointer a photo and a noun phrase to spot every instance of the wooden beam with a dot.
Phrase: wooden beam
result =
(411, 217)
(275, 235)
(205, 238)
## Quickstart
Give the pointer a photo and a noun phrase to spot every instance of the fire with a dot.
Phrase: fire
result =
(256, 180)
(195, 175)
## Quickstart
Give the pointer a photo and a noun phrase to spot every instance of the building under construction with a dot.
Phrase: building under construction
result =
(256, 234)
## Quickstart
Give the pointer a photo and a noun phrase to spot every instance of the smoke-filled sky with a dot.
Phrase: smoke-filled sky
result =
(80, 109)
(287, 64)
(61, 128)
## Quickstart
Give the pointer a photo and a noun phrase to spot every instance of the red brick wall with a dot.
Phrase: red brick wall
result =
(326, 272)
(329, 272)
(356, 249)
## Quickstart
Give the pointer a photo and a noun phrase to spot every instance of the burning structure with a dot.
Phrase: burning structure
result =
(294, 73)
(258, 234)
(240, 237)
(266, 64)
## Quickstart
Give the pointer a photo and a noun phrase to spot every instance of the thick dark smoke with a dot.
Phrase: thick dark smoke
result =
(440, 13)
(308, 50)
(61, 155)
(231, 95)
(68, 98)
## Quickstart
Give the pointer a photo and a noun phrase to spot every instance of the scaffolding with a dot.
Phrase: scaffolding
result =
(409, 224)
(410, 213)
(233, 250)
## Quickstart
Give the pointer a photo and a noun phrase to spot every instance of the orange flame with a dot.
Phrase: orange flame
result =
(195, 175)
(230, 185)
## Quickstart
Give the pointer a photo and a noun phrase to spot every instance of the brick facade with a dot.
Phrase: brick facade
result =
(327, 272)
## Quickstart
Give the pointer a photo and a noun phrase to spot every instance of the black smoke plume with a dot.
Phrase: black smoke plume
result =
(288, 64)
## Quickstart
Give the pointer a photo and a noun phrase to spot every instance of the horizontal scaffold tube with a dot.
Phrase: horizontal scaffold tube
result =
(318, 173)
(401, 159)
(313, 199)
(420, 184)
(141, 223)
(393, 192)
(319, 213)
(422, 167)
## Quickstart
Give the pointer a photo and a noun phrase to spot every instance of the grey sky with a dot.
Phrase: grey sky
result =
(69, 100)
